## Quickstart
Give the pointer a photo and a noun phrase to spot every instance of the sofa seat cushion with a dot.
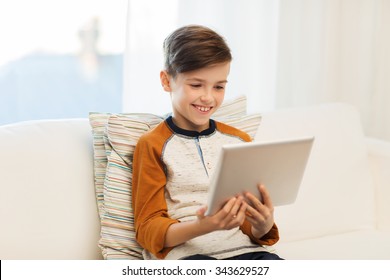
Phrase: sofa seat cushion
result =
(357, 245)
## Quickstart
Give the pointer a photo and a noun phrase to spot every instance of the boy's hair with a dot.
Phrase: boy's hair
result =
(193, 47)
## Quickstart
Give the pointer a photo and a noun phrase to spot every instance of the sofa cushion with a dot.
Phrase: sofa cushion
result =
(115, 137)
(366, 244)
(337, 191)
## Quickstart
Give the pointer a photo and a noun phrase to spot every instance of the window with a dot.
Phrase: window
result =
(60, 59)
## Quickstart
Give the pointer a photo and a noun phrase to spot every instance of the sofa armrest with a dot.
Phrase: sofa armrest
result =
(379, 158)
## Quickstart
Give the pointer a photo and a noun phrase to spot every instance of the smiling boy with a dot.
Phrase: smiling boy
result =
(173, 162)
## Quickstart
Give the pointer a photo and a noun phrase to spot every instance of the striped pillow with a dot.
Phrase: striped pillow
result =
(98, 122)
(117, 219)
(115, 137)
(247, 123)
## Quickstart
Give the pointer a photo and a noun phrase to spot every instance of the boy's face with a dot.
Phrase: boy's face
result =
(196, 95)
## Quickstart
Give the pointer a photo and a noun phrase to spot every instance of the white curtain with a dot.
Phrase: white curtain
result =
(286, 53)
(336, 51)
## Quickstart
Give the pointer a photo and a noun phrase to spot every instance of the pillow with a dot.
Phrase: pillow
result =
(98, 122)
(232, 108)
(117, 220)
(247, 123)
(115, 137)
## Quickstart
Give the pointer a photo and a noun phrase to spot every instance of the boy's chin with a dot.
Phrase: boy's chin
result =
(201, 125)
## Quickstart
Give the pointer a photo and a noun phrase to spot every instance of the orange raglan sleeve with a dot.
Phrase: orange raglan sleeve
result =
(268, 239)
(148, 194)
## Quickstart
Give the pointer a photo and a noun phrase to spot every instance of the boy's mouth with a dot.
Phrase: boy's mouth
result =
(203, 108)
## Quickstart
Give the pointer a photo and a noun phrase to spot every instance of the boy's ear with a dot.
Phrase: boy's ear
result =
(165, 81)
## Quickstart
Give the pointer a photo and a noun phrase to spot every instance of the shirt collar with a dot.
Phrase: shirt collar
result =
(190, 133)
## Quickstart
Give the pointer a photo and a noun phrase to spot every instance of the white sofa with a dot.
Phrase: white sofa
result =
(48, 207)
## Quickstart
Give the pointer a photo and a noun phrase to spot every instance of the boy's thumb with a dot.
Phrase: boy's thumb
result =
(201, 211)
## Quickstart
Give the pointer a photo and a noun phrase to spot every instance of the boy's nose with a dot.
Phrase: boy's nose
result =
(206, 95)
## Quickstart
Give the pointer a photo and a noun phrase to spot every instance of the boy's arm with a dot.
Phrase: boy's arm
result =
(148, 198)
(181, 232)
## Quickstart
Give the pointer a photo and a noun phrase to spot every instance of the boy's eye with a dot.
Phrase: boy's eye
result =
(196, 85)
(219, 87)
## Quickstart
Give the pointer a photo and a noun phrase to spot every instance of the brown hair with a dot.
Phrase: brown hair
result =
(193, 47)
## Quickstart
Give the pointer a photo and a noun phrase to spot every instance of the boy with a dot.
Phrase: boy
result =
(173, 162)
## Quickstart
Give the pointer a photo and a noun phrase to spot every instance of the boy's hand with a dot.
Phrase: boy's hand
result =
(260, 213)
(231, 215)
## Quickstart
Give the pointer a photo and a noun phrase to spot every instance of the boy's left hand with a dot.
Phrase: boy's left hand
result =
(260, 213)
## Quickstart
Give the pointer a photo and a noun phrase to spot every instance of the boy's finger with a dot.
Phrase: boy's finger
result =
(236, 206)
(227, 207)
(266, 198)
(251, 211)
(254, 201)
(201, 211)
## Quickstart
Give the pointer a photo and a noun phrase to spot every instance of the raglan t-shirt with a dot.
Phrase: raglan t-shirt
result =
(171, 172)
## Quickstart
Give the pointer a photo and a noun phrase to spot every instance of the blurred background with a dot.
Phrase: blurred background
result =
(63, 59)
(60, 59)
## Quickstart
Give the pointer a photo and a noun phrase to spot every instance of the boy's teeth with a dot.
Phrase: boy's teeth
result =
(203, 109)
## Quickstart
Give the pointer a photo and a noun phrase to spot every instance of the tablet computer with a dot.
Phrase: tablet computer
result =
(279, 165)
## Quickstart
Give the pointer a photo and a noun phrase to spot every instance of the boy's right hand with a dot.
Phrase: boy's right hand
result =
(231, 215)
